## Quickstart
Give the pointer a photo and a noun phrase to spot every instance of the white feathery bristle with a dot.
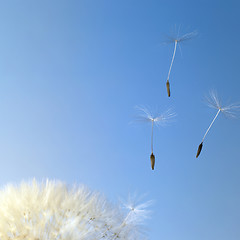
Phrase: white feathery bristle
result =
(159, 119)
(213, 101)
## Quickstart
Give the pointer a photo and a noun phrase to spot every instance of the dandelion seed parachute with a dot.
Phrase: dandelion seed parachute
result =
(214, 102)
(177, 40)
(147, 116)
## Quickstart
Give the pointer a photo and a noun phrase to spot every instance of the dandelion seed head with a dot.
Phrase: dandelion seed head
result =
(52, 210)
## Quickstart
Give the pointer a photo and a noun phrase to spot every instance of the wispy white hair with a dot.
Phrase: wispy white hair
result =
(182, 38)
(145, 115)
(52, 210)
(213, 101)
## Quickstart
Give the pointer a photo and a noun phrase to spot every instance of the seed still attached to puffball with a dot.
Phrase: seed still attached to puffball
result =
(159, 120)
(214, 102)
(176, 40)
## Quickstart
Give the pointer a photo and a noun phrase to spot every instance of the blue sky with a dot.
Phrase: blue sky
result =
(71, 74)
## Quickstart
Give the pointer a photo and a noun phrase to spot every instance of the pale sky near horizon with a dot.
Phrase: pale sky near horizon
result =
(71, 74)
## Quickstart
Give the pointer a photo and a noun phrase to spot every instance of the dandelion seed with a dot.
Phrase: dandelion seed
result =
(177, 40)
(159, 120)
(152, 158)
(199, 149)
(214, 102)
(168, 87)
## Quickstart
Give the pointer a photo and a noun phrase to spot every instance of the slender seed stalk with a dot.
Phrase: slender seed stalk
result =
(201, 144)
(116, 235)
(211, 124)
(152, 157)
(174, 52)
(152, 138)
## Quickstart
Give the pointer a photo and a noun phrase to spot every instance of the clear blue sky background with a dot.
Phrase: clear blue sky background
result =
(71, 73)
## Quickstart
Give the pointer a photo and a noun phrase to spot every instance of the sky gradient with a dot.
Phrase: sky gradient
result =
(71, 74)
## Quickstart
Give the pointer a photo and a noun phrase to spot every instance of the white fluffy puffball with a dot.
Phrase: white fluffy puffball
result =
(50, 210)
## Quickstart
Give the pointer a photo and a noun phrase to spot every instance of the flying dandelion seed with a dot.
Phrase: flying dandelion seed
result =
(214, 102)
(51, 210)
(160, 120)
(177, 40)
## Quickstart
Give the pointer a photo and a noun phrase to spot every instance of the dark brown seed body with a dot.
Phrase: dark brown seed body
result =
(152, 158)
(168, 87)
(199, 149)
